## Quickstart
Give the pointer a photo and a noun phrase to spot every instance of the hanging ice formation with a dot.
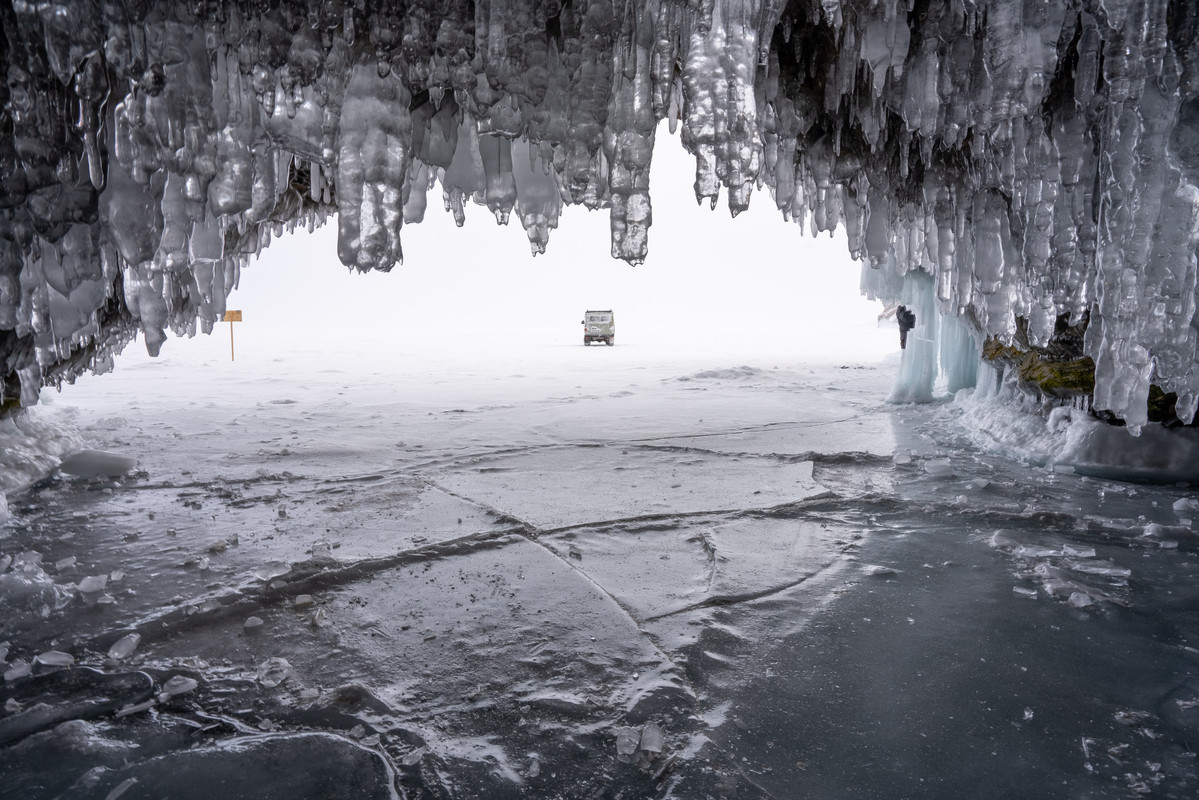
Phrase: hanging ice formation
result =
(1036, 158)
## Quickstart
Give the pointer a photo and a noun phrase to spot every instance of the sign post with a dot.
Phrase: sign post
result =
(232, 317)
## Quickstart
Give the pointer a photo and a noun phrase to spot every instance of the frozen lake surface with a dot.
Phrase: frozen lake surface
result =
(551, 571)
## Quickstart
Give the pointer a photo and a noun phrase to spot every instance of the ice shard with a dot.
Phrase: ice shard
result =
(1039, 161)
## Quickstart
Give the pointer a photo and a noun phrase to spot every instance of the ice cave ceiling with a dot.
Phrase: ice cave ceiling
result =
(1037, 158)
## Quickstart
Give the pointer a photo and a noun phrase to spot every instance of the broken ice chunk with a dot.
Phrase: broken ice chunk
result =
(54, 658)
(135, 708)
(1078, 551)
(177, 685)
(939, 468)
(63, 564)
(651, 738)
(414, 757)
(1186, 505)
(123, 648)
(1033, 551)
(877, 570)
(1156, 530)
(1002, 541)
(272, 570)
(303, 601)
(273, 672)
(1081, 600)
(18, 669)
(1024, 591)
(97, 464)
(1103, 570)
(252, 623)
(627, 741)
(93, 584)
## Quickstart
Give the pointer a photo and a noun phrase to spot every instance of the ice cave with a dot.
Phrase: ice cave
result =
(377, 576)
(1037, 159)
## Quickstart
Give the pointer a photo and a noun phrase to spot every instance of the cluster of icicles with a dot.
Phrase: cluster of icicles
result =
(1037, 159)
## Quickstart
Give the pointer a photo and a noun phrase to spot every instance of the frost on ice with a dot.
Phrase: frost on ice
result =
(1019, 167)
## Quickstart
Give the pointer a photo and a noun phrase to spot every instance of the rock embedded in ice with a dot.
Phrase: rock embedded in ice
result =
(97, 464)
(273, 671)
(124, 647)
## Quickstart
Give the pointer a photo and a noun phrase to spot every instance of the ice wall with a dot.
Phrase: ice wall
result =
(1033, 157)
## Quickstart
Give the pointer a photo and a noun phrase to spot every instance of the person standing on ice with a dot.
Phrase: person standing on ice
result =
(907, 321)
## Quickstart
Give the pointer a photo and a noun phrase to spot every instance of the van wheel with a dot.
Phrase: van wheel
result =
(609, 341)
(587, 343)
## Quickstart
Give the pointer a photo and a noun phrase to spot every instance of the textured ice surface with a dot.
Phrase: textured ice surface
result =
(1027, 160)
(452, 633)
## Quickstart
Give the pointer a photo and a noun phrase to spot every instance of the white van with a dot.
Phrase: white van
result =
(599, 326)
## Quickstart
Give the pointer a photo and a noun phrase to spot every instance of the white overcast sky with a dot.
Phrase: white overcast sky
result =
(756, 280)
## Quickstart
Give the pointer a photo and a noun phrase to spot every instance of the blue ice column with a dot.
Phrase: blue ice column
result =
(918, 364)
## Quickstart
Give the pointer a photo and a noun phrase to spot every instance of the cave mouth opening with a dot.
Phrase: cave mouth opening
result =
(714, 286)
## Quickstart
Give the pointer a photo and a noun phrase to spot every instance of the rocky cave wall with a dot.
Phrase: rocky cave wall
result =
(1038, 158)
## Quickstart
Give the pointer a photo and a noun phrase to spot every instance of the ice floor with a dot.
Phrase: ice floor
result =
(578, 573)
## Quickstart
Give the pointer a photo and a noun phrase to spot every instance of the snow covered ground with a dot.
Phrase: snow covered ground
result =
(542, 570)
